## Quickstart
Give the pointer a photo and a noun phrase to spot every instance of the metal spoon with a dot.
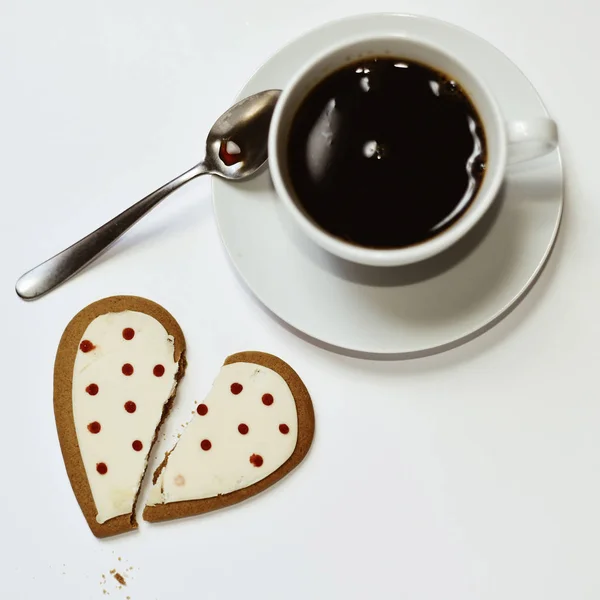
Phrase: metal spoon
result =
(246, 124)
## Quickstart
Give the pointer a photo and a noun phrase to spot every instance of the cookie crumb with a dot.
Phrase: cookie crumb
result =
(120, 578)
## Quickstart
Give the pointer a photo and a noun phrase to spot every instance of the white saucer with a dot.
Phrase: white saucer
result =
(405, 311)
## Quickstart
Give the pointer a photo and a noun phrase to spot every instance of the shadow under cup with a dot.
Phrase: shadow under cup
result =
(398, 48)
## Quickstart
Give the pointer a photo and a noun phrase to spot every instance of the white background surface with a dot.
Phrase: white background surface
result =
(470, 475)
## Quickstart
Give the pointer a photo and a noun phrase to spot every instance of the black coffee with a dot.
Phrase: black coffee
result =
(386, 153)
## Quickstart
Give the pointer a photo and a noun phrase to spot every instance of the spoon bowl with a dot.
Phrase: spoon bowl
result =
(244, 124)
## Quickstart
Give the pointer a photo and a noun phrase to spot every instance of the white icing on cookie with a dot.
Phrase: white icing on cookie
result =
(125, 408)
(240, 439)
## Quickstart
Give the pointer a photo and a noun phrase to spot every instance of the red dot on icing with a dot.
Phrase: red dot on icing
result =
(158, 370)
(236, 388)
(256, 460)
(128, 333)
(137, 445)
(86, 346)
(94, 427)
(267, 399)
(102, 468)
(284, 428)
(130, 406)
(202, 409)
(92, 389)
(127, 369)
(205, 445)
(243, 428)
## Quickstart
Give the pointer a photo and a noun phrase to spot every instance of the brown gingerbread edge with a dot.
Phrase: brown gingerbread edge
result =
(306, 429)
(63, 402)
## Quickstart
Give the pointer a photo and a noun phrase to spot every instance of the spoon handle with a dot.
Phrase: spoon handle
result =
(59, 268)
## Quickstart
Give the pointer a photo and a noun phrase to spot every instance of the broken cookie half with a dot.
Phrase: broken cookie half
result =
(255, 426)
(116, 372)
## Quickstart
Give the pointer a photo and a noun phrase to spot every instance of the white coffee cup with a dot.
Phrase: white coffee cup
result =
(508, 142)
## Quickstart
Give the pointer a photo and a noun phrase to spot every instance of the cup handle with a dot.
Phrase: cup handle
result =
(530, 139)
